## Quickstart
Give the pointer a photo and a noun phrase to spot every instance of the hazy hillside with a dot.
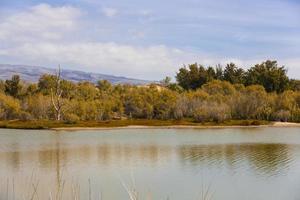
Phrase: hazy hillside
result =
(32, 74)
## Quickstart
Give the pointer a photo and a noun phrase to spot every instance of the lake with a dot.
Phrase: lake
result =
(176, 164)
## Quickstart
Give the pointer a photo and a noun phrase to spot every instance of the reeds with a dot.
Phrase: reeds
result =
(8, 191)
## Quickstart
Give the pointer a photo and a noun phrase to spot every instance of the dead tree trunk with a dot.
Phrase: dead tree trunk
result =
(56, 95)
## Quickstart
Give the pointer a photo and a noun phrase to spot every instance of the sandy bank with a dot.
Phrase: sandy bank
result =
(274, 124)
(285, 124)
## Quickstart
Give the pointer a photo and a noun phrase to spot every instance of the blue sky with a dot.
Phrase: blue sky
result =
(149, 39)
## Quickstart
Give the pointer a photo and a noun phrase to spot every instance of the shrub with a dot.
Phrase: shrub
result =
(71, 118)
(25, 116)
(255, 123)
(212, 111)
(9, 107)
(282, 115)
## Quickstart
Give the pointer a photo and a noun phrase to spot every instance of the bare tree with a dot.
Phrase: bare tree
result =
(56, 95)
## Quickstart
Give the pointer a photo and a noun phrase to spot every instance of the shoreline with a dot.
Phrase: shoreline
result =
(154, 127)
(273, 124)
(139, 124)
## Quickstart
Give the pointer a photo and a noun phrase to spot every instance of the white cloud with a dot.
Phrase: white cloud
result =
(42, 35)
(109, 12)
(152, 62)
(141, 62)
(293, 66)
(39, 22)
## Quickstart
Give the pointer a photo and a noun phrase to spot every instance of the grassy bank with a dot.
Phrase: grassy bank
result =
(43, 124)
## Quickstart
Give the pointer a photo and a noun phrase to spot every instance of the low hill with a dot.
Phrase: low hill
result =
(33, 73)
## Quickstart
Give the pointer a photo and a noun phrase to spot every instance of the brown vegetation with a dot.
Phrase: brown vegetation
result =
(221, 98)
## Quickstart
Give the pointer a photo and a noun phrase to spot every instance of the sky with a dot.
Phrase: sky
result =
(149, 39)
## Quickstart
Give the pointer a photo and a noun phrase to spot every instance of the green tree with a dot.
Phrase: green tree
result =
(47, 82)
(294, 85)
(104, 85)
(233, 74)
(183, 78)
(166, 81)
(269, 75)
(211, 73)
(219, 72)
(13, 86)
(193, 77)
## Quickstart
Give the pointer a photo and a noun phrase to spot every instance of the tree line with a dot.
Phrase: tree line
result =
(264, 92)
(268, 74)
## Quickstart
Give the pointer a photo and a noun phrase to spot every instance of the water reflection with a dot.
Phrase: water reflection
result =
(263, 159)
(161, 163)
(103, 154)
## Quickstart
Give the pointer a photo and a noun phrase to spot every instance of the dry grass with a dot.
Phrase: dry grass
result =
(44, 124)
(8, 192)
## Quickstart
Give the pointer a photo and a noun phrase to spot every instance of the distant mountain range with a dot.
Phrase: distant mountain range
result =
(33, 73)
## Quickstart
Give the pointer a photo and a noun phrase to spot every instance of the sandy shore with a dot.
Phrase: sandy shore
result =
(274, 124)
(285, 124)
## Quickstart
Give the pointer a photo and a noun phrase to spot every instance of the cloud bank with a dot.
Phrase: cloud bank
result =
(50, 35)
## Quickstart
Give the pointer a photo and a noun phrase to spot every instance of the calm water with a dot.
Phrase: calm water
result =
(233, 164)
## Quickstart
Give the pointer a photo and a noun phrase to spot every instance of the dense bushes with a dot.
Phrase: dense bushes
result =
(215, 101)
(202, 94)
(9, 107)
(211, 111)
